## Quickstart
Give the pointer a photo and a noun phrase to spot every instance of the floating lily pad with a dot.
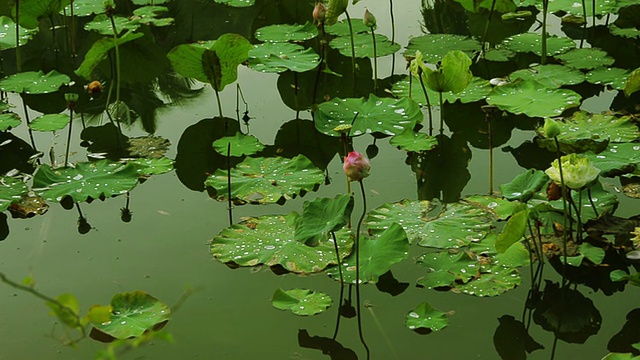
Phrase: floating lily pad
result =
(86, 180)
(148, 15)
(614, 77)
(322, 216)
(594, 254)
(499, 55)
(410, 140)
(603, 7)
(102, 24)
(269, 240)
(236, 3)
(301, 301)
(494, 282)
(477, 90)
(341, 28)
(152, 166)
(411, 214)
(11, 190)
(50, 122)
(86, 8)
(452, 74)
(377, 255)
(616, 159)
(524, 186)
(287, 32)
(9, 120)
(435, 46)
(32, 82)
(631, 32)
(532, 99)
(8, 31)
(446, 268)
(31, 11)
(551, 76)
(99, 51)
(500, 207)
(148, 146)
(132, 314)
(279, 57)
(585, 58)
(633, 82)
(375, 115)
(267, 180)
(532, 42)
(426, 317)
(363, 45)
(241, 144)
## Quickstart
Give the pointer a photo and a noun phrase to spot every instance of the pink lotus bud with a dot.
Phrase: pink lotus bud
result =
(356, 166)
(319, 12)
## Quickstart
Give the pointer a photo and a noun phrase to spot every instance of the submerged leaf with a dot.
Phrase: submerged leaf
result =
(301, 301)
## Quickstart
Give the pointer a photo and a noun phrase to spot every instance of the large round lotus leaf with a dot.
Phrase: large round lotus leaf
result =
(32, 82)
(50, 122)
(322, 216)
(532, 42)
(633, 82)
(86, 180)
(8, 32)
(241, 144)
(435, 46)
(551, 76)
(445, 269)
(631, 33)
(452, 74)
(524, 186)
(498, 206)
(377, 255)
(410, 140)
(278, 57)
(31, 11)
(220, 62)
(287, 32)
(9, 120)
(616, 159)
(411, 214)
(585, 58)
(603, 7)
(341, 28)
(150, 2)
(515, 256)
(11, 191)
(99, 51)
(532, 99)
(236, 3)
(363, 45)
(267, 180)
(301, 301)
(614, 77)
(591, 132)
(86, 7)
(269, 240)
(375, 115)
(499, 55)
(102, 24)
(152, 166)
(426, 317)
(477, 90)
(148, 15)
(133, 313)
(498, 280)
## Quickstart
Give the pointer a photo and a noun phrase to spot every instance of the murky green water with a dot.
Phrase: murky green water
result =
(164, 249)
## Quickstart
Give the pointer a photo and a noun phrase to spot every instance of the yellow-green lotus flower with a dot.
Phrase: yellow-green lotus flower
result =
(578, 171)
(417, 66)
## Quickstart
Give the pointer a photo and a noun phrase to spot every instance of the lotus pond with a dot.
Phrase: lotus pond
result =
(181, 179)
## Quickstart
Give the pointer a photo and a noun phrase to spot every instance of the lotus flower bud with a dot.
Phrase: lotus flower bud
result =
(551, 128)
(319, 12)
(416, 66)
(356, 166)
(577, 170)
(369, 20)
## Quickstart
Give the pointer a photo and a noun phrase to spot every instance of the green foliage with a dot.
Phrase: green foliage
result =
(426, 316)
(410, 140)
(614, 77)
(363, 45)
(633, 82)
(532, 42)
(301, 301)
(50, 122)
(241, 144)
(152, 166)
(31, 11)
(434, 47)
(616, 159)
(87, 7)
(322, 216)
(477, 90)
(9, 120)
(102, 25)
(533, 99)
(453, 75)
(513, 231)
(33, 82)
(335, 9)
(220, 62)
(8, 33)
(99, 51)
(236, 3)
(585, 58)
(524, 186)
(551, 76)
(287, 32)
(278, 57)
(11, 190)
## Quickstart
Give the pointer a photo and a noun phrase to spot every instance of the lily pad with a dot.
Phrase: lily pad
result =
(495, 281)
(102, 24)
(99, 51)
(220, 62)
(132, 314)
(524, 186)
(616, 159)
(287, 32)
(375, 115)
(551, 76)
(532, 42)
(532, 99)
(31, 11)
(633, 82)
(426, 316)
(32, 82)
(301, 301)
(363, 45)
(86, 8)
(267, 180)
(150, 2)
(9, 120)
(152, 166)
(50, 122)
(377, 255)
(322, 216)
(435, 46)
(499, 55)
(8, 31)
(585, 58)
(411, 214)
(341, 28)
(500, 207)
(477, 90)
(446, 268)
(86, 180)
(11, 190)
(269, 240)
(452, 74)
(630, 32)
(278, 57)
(410, 140)
(603, 7)
(614, 77)
(241, 144)
(236, 3)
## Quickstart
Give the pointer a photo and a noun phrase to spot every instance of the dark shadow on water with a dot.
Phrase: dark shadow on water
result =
(390, 285)
(4, 226)
(333, 348)
(512, 341)
(623, 341)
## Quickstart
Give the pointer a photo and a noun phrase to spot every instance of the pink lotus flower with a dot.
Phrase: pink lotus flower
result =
(356, 166)
(319, 12)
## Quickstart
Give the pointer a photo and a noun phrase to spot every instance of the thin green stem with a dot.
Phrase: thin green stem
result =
(229, 183)
(66, 156)
(393, 36)
(364, 212)
(490, 129)
(18, 56)
(219, 102)
(563, 188)
(545, 9)
(441, 114)
(593, 205)
(353, 53)
(335, 246)
(426, 96)
(486, 26)
(117, 50)
(375, 62)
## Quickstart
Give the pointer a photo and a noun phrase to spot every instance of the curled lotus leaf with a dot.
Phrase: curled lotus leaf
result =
(435, 46)
(11, 190)
(303, 302)
(614, 77)
(524, 186)
(322, 216)
(9, 120)
(32, 82)
(452, 73)
(585, 58)
(85, 180)
(532, 42)
(270, 240)
(363, 45)
(477, 90)
(532, 99)
(501, 208)
(287, 32)
(86, 8)
(267, 180)
(426, 316)
(552, 76)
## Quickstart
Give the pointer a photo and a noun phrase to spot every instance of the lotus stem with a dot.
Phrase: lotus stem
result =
(593, 205)
(441, 114)
(66, 155)
(74, 55)
(335, 246)
(55, 43)
(579, 215)
(229, 183)
(584, 20)
(322, 63)
(18, 56)
(353, 52)
(593, 12)
(490, 128)
(563, 188)
(375, 62)
(426, 96)
(393, 36)
(545, 9)
(364, 212)
(117, 51)
(486, 27)
(26, 118)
